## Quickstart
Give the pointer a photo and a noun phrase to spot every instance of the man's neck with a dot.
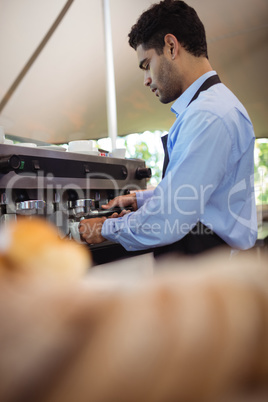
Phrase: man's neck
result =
(197, 67)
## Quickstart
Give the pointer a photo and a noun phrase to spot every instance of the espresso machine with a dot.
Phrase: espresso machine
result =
(65, 187)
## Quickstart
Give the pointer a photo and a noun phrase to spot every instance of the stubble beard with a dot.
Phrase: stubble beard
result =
(170, 87)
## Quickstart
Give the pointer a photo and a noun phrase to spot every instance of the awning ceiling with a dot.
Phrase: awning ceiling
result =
(63, 95)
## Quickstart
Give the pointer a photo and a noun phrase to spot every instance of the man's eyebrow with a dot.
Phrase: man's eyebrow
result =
(142, 63)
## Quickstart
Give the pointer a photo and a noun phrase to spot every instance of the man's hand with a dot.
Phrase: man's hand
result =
(123, 201)
(90, 230)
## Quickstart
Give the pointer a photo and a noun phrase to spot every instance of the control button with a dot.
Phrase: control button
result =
(124, 172)
(143, 173)
(10, 162)
(36, 165)
(22, 165)
(86, 169)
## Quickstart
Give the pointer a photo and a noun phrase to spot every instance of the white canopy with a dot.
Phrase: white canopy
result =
(63, 95)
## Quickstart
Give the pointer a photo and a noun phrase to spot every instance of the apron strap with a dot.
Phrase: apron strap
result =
(213, 80)
(200, 238)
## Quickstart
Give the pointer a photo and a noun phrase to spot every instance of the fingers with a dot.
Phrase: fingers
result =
(122, 213)
(90, 230)
(114, 215)
(111, 204)
(122, 201)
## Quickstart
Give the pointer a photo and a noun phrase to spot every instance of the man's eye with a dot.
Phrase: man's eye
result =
(146, 67)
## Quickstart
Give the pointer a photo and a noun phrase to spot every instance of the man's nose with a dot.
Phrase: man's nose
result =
(147, 79)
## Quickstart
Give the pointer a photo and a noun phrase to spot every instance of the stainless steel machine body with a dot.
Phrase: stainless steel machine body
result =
(63, 187)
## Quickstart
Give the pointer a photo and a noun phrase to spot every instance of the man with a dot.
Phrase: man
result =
(206, 196)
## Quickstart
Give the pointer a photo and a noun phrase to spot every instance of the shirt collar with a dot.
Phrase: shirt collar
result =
(182, 102)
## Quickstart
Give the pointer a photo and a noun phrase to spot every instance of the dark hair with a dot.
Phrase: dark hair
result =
(174, 17)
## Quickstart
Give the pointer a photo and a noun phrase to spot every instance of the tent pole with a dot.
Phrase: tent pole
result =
(34, 56)
(110, 78)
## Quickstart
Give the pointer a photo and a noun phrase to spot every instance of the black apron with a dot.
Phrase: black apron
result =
(200, 238)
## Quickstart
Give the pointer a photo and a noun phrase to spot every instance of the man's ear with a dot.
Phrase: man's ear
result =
(172, 45)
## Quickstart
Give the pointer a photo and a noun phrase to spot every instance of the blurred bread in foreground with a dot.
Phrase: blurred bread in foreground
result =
(33, 247)
(197, 332)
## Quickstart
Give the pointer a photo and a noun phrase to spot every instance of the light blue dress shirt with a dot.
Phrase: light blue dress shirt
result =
(209, 178)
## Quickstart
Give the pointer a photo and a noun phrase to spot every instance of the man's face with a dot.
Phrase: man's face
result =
(159, 74)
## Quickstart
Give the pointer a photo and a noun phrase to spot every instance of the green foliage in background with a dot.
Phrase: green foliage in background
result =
(261, 171)
(152, 160)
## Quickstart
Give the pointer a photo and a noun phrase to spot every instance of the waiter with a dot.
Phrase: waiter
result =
(206, 196)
